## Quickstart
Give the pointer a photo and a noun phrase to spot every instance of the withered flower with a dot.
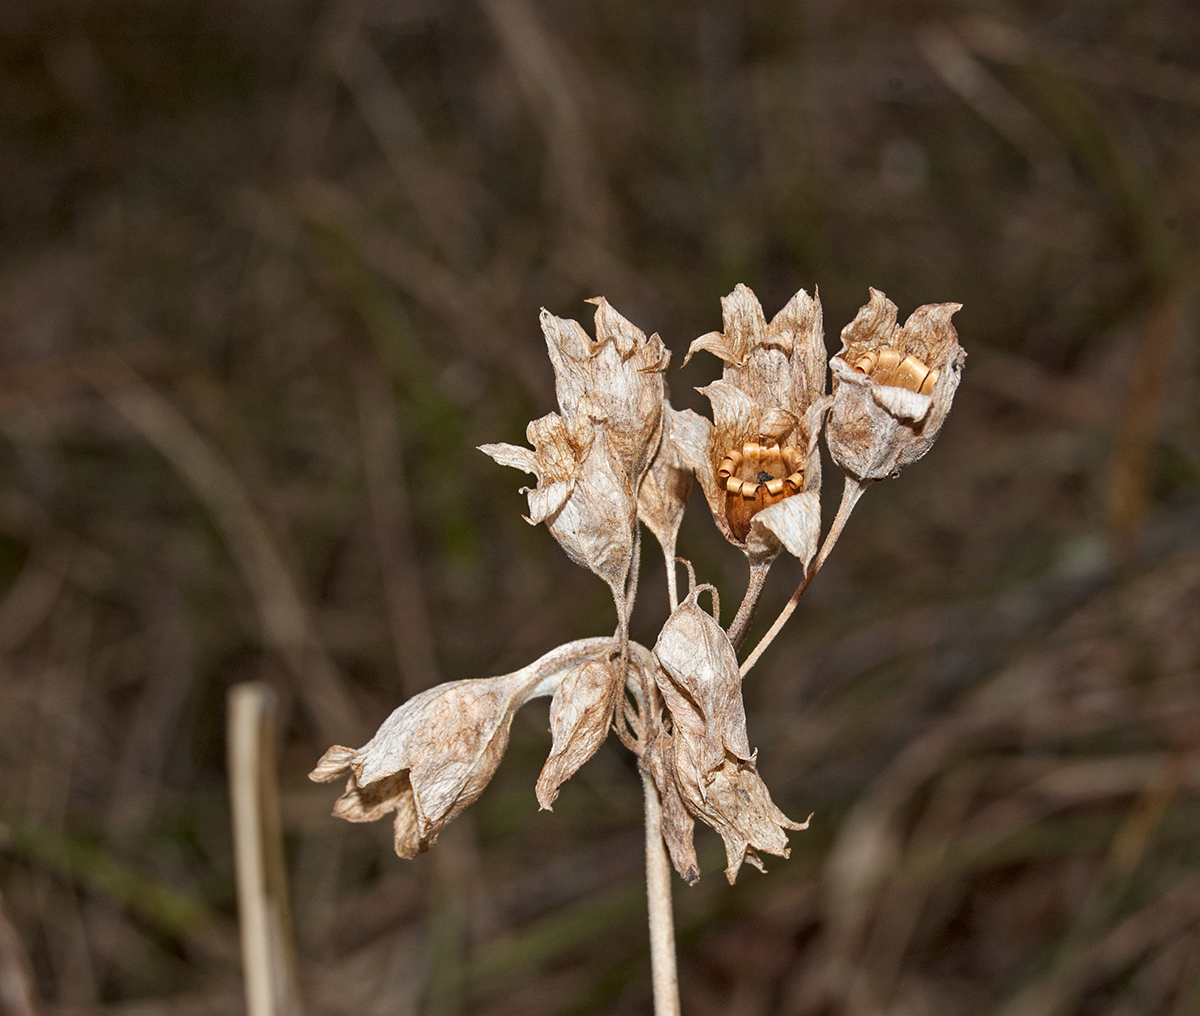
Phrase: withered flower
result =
(892, 386)
(591, 460)
(435, 754)
(757, 462)
(703, 766)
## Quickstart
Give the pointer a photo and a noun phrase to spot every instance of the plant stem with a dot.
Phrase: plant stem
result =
(852, 491)
(672, 586)
(664, 975)
(740, 627)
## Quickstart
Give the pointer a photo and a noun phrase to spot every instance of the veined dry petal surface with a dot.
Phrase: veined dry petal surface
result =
(581, 714)
(892, 386)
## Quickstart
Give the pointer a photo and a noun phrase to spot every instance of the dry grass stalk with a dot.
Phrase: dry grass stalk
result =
(268, 952)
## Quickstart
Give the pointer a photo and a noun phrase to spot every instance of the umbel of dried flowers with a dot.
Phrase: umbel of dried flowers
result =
(618, 453)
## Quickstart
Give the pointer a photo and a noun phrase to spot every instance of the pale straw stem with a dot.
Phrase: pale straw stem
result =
(264, 920)
(664, 976)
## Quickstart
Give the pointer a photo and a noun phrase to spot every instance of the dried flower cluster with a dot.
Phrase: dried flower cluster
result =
(618, 454)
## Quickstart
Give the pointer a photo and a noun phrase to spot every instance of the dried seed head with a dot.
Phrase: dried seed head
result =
(704, 767)
(892, 386)
(435, 754)
(757, 462)
(591, 460)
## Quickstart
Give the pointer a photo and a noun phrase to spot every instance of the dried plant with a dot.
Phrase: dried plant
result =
(616, 454)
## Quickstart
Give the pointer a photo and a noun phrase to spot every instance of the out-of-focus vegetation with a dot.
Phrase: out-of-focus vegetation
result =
(269, 272)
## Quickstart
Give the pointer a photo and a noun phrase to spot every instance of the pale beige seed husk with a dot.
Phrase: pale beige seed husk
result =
(667, 485)
(703, 687)
(590, 461)
(873, 429)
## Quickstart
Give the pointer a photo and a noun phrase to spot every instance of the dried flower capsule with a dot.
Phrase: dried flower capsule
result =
(704, 767)
(757, 461)
(591, 460)
(892, 386)
(435, 754)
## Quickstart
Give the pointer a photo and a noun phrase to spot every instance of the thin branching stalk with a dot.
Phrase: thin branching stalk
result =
(852, 491)
(740, 627)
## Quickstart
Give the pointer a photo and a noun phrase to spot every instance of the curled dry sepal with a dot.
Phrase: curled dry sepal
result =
(591, 460)
(757, 462)
(892, 386)
(701, 760)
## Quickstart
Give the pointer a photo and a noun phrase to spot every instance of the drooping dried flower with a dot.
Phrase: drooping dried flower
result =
(435, 754)
(758, 465)
(591, 460)
(892, 386)
(704, 767)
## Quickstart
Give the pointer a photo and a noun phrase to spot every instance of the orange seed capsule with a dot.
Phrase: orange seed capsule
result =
(930, 380)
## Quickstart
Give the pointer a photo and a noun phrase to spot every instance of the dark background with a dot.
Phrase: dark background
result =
(269, 272)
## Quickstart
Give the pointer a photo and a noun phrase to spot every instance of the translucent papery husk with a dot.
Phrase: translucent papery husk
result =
(437, 752)
(704, 767)
(772, 392)
(875, 428)
(591, 460)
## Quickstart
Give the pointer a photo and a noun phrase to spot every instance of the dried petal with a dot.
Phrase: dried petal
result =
(736, 803)
(435, 754)
(678, 826)
(768, 409)
(892, 386)
(581, 714)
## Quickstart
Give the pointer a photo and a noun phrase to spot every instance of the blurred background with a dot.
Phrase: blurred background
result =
(270, 271)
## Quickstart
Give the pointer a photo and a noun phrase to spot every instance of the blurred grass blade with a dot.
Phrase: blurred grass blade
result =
(16, 979)
(268, 952)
